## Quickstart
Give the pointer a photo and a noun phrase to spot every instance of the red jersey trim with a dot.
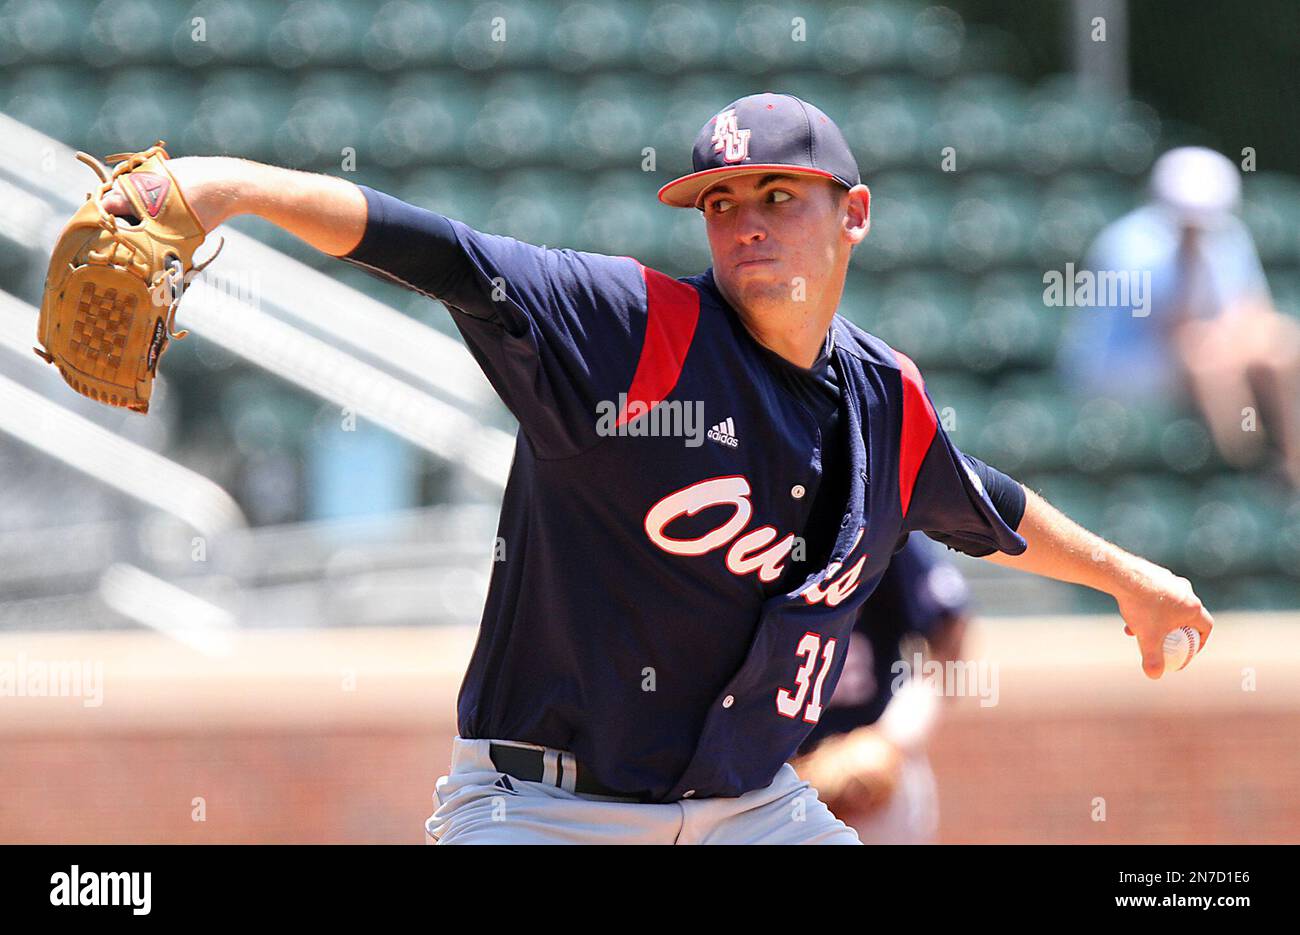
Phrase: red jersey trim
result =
(919, 427)
(672, 314)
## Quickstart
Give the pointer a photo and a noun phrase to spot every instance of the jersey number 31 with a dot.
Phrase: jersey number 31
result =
(790, 703)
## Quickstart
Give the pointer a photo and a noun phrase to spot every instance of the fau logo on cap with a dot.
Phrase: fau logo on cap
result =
(729, 139)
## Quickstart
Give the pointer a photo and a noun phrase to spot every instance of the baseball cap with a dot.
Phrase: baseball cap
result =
(1199, 185)
(764, 132)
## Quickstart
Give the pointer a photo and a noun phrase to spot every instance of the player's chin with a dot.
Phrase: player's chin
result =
(756, 278)
(760, 293)
(757, 269)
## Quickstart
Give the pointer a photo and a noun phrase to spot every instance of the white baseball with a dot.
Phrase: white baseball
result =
(1180, 646)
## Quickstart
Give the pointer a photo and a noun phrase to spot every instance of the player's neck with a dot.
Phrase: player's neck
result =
(797, 336)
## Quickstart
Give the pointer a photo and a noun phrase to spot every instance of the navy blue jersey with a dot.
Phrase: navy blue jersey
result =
(639, 618)
(918, 596)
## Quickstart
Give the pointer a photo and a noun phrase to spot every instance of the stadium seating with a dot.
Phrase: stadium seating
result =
(556, 122)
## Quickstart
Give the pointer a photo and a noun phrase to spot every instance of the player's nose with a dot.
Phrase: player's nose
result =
(748, 222)
(750, 230)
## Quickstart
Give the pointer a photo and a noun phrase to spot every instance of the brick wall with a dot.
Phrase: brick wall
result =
(322, 736)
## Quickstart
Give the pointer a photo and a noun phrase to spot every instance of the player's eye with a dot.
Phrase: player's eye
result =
(777, 195)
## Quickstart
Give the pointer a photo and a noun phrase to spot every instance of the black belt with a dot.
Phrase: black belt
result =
(529, 765)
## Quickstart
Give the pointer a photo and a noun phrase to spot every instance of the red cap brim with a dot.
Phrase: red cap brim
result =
(685, 192)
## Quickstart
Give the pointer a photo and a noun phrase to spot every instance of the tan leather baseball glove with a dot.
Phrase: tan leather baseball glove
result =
(114, 283)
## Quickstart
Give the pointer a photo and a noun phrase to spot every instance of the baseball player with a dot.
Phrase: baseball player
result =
(867, 755)
(711, 475)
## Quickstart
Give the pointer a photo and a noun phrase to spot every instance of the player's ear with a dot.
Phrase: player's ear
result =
(857, 213)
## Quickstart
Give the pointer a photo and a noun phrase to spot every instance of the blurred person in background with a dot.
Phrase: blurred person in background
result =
(1205, 329)
(878, 723)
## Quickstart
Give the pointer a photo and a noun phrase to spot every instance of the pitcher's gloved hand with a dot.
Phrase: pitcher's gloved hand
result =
(116, 278)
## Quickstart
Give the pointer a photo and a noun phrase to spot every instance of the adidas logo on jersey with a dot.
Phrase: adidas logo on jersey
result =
(724, 433)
